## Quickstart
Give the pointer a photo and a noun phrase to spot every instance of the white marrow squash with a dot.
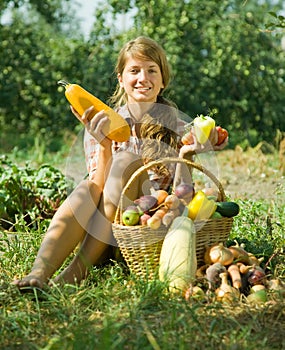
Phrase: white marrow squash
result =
(178, 262)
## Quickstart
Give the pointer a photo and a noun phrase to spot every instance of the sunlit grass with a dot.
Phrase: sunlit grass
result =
(112, 309)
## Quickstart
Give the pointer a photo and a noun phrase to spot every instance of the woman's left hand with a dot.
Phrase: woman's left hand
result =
(196, 147)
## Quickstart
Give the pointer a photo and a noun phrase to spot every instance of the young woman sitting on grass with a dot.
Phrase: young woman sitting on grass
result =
(87, 214)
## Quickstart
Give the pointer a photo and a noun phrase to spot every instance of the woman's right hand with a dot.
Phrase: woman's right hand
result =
(94, 124)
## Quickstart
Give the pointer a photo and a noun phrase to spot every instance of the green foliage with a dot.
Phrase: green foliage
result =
(34, 56)
(260, 227)
(236, 74)
(216, 68)
(278, 21)
(29, 195)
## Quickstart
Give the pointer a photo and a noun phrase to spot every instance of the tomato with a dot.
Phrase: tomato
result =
(187, 139)
(222, 135)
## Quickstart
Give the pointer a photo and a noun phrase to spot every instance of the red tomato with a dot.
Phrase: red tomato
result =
(222, 135)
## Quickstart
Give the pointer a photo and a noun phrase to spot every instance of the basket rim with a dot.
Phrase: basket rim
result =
(139, 171)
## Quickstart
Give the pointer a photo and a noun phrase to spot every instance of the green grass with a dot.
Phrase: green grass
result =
(112, 309)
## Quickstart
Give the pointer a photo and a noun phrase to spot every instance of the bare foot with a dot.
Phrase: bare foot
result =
(30, 281)
(70, 275)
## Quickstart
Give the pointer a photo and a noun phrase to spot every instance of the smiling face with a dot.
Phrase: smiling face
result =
(141, 80)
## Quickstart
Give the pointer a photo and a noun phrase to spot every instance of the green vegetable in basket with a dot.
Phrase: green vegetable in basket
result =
(178, 263)
(227, 209)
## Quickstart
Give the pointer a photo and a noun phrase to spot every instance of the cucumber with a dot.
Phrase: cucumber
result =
(227, 209)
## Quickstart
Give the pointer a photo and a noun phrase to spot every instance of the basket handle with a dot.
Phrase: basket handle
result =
(161, 161)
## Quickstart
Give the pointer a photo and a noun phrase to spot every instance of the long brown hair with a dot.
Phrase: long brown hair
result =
(158, 135)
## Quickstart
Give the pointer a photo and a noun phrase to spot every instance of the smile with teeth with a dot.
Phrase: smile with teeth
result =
(143, 88)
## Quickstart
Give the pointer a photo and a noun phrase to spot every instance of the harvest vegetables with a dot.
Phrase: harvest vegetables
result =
(117, 130)
(187, 138)
(230, 274)
(239, 253)
(185, 191)
(178, 264)
(230, 280)
(226, 293)
(227, 209)
(131, 215)
(146, 203)
(234, 273)
(160, 208)
(213, 274)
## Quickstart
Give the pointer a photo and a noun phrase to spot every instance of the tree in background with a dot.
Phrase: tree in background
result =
(37, 49)
(224, 61)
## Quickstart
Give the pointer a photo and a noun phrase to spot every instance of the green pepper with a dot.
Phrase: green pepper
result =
(202, 127)
(200, 207)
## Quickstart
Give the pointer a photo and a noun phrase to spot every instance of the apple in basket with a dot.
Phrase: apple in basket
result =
(131, 216)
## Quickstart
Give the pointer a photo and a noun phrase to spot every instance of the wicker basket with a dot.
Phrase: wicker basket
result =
(140, 245)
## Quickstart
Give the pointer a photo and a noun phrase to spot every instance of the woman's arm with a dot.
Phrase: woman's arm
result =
(104, 156)
(183, 172)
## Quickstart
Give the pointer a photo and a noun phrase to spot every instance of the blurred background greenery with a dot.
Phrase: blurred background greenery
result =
(227, 59)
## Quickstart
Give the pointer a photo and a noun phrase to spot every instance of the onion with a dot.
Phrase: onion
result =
(256, 275)
(239, 253)
(219, 253)
(256, 288)
(253, 260)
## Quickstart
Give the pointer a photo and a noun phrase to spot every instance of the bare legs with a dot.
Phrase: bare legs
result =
(99, 232)
(78, 215)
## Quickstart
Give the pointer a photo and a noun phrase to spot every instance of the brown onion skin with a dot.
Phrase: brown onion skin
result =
(219, 253)
(240, 255)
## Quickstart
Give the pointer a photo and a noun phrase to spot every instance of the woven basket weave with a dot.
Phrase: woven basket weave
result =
(140, 245)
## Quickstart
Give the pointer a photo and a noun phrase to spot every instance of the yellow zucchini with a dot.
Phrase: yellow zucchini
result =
(178, 263)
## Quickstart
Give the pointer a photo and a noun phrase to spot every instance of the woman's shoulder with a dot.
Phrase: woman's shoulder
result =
(181, 126)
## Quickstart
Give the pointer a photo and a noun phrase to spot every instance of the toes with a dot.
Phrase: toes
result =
(34, 282)
(28, 282)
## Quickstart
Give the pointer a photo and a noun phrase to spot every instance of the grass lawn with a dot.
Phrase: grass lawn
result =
(112, 309)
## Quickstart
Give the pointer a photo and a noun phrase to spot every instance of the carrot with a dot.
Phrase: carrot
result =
(234, 273)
